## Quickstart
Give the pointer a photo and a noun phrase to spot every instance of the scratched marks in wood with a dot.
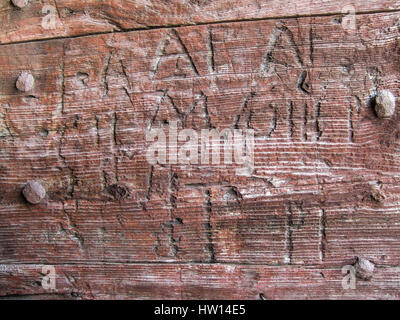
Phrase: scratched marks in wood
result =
(325, 185)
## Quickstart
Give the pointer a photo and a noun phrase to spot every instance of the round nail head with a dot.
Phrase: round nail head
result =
(364, 269)
(34, 192)
(25, 82)
(385, 104)
(20, 3)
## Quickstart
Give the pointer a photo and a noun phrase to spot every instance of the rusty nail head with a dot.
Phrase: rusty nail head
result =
(385, 104)
(20, 3)
(34, 192)
(25, 82)
(364, 269)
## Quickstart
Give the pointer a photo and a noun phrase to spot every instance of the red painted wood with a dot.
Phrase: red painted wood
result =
(323, 192)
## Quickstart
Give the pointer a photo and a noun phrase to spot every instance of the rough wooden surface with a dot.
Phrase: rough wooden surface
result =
(197, 281)
(324, 191)
(75, 17)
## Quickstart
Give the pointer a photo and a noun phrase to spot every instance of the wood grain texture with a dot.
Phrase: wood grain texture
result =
(75, 17)
(195, 281)
(325, 188)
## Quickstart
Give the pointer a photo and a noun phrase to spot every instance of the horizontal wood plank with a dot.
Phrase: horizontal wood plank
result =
(66, 18)
(170, 281)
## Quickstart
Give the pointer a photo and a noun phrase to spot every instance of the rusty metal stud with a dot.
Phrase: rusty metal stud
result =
(385, 104)
(364, 269)
(25, 82)
(34, 192)
(20, 3)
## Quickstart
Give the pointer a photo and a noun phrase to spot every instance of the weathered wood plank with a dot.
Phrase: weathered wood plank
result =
(92, 231)
(324, 189)
(74, 17)
(200, 281)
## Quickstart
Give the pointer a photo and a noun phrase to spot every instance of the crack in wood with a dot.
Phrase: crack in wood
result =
(322, 232)
(208, 226)
(211, 57)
